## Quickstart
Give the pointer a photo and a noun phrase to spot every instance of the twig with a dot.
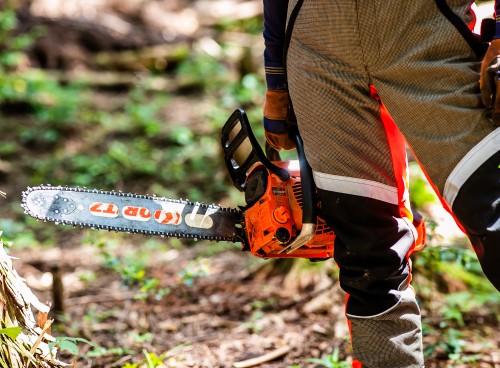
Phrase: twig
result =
(263, 358)
(39, 340)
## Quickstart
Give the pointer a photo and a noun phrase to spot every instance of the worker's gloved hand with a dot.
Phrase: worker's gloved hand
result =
(489, 81)
(277, 119)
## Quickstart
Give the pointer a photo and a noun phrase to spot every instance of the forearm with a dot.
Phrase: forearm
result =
(275, 13)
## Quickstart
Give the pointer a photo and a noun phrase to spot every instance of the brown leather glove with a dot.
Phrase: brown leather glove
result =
(277, 119)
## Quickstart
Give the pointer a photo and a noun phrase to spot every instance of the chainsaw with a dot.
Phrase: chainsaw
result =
(280, 218)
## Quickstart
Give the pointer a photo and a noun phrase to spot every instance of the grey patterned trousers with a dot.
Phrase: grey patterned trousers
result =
(426, 75)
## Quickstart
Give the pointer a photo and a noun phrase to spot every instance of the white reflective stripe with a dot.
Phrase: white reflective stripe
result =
(470, 163)
(358, 187)
(408, 295)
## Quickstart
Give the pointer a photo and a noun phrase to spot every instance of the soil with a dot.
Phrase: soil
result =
(232, 307)
(236, 309)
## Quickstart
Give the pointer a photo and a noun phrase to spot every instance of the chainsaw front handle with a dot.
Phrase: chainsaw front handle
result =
(309, 214)
(242, 150)
(272, 153)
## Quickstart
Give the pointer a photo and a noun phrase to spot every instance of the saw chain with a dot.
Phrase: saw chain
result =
(133, 213)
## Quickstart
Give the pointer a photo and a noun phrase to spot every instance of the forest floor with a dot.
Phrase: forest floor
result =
(137, 299)
(215, 306)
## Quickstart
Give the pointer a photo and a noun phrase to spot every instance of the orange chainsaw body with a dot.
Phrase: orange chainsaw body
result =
(281, 214)
(275, 217)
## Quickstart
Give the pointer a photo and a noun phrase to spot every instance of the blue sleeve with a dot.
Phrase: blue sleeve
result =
(275, 13)
(497, 19)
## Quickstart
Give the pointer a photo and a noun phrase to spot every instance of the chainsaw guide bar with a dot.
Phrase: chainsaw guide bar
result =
(133, 213)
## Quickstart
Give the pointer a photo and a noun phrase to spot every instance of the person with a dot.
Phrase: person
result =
(364, 79)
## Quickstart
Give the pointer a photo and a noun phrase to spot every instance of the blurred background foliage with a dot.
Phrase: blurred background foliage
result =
(154, 128)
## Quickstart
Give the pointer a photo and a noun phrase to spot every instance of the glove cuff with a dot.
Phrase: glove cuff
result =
(275, 126)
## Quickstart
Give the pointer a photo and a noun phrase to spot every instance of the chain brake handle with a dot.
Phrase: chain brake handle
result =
(242, 151)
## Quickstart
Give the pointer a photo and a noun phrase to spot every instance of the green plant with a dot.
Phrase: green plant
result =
(140, 338)
(451, 342)
(143, 111)
(132, 270)
(331, 360)
(69, 344)
(150, 287)
(99, 351)
(94, 316)
(421, 193)
(457, 263)
(152, 360)
(35, 91)
(254, 324)
(250, 89)
(194, 270)
(251, 25)
(12, 47)
(202, 71)
(129, 365)
(459, 303)
(12, 332)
